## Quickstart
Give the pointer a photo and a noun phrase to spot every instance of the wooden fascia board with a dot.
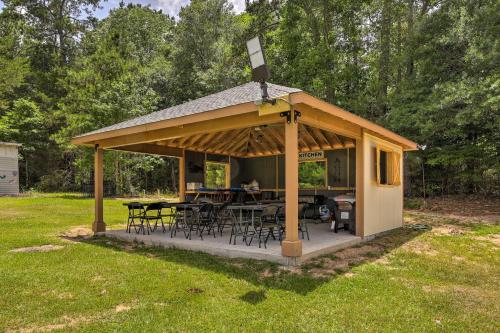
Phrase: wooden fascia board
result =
(208, 126)
(322, 120)
(180, 121)
(316, 103)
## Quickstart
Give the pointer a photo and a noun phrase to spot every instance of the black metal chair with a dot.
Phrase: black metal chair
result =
(222, 216)
(182, 219)
(266, 226)
(167, 215)
(200, 219)
(240, 226)
(135, 212)
(302, 219)
(152, 213)
(206, 219)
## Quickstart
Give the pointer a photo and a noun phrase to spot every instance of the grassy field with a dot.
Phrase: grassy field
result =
(441, 280)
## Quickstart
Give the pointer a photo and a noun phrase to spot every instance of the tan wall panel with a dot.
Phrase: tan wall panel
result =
(383, 204)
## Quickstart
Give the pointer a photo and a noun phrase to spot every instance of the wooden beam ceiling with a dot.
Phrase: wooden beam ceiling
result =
(248, 142)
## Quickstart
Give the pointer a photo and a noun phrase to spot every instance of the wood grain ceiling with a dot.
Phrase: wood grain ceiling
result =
(258, 141)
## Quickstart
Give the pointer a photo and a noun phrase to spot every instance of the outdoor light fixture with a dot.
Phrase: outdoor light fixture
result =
(260, 71)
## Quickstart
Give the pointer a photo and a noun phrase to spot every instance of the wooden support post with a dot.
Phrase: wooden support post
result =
(98, 225)
(182, 177)
(292, 245)
(360, 183)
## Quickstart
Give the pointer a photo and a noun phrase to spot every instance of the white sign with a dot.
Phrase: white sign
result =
(312, 155)
(344, 215)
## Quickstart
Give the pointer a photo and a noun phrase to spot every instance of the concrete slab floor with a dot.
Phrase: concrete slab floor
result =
(322, 241)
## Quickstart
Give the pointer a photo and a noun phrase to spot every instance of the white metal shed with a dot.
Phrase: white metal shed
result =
(9, 168)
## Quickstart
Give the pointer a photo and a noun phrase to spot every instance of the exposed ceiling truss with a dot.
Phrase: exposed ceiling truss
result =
(258, 141)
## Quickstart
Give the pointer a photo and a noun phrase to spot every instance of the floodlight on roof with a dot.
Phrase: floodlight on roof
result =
(260, 71)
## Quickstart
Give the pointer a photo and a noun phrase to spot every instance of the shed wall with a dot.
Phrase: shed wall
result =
(9, 170)
(383, 204)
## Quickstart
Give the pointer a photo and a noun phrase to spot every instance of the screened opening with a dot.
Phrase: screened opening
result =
(216, 175)
(312, 174)
(383, 167)
(388, 167)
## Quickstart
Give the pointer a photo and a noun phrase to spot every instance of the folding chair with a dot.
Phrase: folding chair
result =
(151, 213)
(302, 219)
(167, 215)
(267, 226)
(135, 212)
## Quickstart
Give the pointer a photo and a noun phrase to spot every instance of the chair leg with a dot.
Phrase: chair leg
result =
(232, 232)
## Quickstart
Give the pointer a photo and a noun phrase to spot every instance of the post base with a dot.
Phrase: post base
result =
(98, 226)
(291, 248)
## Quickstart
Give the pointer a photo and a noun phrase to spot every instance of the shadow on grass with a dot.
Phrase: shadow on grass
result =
(254, 297)
(302, 280)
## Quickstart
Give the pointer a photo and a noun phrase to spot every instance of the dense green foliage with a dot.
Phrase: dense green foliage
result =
(312, 174)
(428, 69)
(215, 175)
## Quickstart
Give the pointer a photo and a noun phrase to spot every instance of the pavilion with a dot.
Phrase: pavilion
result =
(264, 140)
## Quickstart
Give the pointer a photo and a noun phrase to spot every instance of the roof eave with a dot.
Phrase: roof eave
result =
(91, 138)
(305, 98)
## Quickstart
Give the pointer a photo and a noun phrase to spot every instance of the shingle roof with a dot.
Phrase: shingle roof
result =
(248, 92)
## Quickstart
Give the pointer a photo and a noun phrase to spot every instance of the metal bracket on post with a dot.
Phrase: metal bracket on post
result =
(288, 115)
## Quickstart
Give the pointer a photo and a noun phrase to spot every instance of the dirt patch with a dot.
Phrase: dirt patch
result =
(67, 322)
(195, 290)
(495, 239)
(420, 247)
(98, 278)
(340, 261)
(35, 249)
(357, 252)
(122, 308)
(266, 273)
(475, 206)
(450, 230)
(65, 295)
(78, 232)
(382, 261)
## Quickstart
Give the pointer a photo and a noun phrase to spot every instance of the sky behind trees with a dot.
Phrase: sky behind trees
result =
(171, 7)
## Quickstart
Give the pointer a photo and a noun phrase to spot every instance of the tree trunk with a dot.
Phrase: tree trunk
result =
(409, 40)
(385, 54)
(399, 46)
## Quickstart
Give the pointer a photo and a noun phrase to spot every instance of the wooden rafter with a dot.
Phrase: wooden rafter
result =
(308, 137)
(276, 136)
(229, 137)
(320, 138)
(241, 146)
(207, 138)
(241, 139)
(275, 145)
(329, 136)
(193, 139)
(342, 142)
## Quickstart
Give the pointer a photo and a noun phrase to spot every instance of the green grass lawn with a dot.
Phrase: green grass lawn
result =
(441, 280)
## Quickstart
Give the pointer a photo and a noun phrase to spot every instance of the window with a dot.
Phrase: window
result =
(216, 175)
(312, 174)
(388, 167)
